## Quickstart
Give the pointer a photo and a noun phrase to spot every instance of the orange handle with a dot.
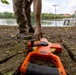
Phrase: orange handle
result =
(51, 57)
(44, 53)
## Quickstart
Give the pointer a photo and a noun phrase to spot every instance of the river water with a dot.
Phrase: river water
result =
(12, 22)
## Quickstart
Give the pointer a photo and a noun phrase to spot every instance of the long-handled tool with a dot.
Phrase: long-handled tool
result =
(42, 52)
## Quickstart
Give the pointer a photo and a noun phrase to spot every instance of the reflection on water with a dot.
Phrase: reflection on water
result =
(12, 22)
(46, 23)
(8, 22)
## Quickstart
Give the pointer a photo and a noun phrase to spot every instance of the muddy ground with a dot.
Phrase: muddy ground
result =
(13, 50)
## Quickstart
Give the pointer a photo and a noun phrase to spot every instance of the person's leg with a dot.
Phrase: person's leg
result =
(28, 14)
(37, 13)
(18, 11)
(18, 6)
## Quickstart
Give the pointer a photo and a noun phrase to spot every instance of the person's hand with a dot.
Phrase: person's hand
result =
(38, 32)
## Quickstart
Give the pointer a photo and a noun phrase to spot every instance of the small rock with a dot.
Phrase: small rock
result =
(7, 52)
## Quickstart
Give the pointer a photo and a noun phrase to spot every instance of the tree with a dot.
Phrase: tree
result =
(4, 1)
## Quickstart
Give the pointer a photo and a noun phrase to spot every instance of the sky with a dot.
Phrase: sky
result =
(64, 6)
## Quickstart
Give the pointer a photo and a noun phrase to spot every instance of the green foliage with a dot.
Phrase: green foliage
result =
(32, 15)
(48, 16)
(5, 1)
(73, 15)
(7, 15)
(44, 15)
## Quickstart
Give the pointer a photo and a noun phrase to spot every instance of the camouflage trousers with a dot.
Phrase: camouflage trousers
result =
(23, 18)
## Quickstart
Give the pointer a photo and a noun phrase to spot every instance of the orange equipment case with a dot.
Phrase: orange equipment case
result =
(43, 52)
